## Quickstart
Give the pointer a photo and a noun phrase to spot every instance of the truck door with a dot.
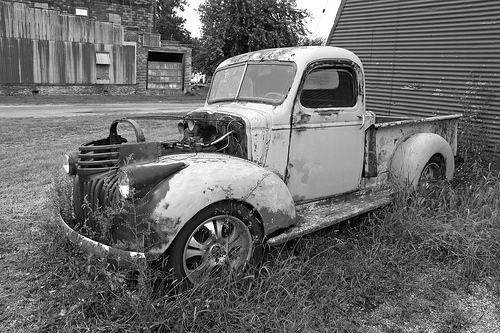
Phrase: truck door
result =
(327, 140)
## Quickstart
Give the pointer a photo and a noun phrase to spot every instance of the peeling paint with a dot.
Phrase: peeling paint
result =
(298, 54)
(321, 214)
(230, 179)
(390, 134)
(102, 250)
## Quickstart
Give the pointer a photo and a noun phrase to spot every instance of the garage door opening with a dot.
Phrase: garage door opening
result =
(165, 71)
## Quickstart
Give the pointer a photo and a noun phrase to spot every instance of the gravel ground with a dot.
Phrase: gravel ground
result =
(100, 99)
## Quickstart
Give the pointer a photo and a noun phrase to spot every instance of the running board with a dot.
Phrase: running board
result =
(321, 214)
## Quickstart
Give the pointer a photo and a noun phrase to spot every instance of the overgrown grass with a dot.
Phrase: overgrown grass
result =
(429, 262)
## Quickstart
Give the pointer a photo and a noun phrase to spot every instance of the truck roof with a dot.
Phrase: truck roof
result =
(301, 55)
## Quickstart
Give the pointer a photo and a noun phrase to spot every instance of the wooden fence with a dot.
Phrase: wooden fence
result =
(45, 47)
(17, 20)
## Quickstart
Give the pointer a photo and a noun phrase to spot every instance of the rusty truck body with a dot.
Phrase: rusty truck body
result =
(282, 147)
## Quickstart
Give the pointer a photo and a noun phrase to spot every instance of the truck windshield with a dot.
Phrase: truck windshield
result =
(253, 82)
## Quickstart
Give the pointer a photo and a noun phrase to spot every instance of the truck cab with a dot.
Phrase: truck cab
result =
(315, 119)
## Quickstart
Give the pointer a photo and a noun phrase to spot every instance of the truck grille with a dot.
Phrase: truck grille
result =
(98, 197)
(96, 159)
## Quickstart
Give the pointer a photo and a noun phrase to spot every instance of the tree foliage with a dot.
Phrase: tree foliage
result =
(169, 24)
(312, 40)
(231, 27)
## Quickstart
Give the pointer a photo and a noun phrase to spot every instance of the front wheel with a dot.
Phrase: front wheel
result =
(220, 240)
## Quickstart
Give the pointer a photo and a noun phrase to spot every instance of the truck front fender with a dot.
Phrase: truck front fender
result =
(411, 156)
(208, 179)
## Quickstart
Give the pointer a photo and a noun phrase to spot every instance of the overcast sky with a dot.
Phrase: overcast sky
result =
(319, 25)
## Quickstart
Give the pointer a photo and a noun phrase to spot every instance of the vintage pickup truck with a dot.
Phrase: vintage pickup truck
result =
(282, 147)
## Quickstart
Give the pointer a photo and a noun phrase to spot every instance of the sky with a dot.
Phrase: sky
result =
(319, 24)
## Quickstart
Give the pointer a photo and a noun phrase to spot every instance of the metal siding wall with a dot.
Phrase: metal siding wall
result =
(129, 64)
(117, 70)
(426, 57)
(20, 21)
(42, 46)
(49, 62)
(9, 67)
(26, 60)
(110, 49)
(41, 61)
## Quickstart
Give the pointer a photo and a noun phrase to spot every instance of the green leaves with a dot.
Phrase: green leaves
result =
(168, 23)
(234, 27)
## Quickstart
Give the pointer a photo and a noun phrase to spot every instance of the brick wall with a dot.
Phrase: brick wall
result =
(142, 67)
(134, 13)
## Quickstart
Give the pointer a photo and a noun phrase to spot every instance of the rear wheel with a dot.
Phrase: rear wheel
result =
(222, 239)
(433, 171)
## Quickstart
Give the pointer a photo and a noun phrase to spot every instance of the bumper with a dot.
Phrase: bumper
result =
(120, 257)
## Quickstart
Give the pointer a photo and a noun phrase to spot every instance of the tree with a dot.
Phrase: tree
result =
(169, 24)
(231, 27)
(312, 40)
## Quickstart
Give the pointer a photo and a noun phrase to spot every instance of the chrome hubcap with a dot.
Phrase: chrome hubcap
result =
(221, 243)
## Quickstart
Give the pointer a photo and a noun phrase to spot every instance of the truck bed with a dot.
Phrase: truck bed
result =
(389, 131)
(387, 121)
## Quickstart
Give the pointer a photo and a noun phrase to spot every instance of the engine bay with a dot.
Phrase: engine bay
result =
(198, 132)
(211, 133)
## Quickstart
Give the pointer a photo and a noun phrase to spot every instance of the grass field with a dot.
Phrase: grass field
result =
(428, 263)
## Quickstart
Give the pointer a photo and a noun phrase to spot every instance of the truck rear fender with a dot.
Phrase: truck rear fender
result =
(175, 200)
(411, 156)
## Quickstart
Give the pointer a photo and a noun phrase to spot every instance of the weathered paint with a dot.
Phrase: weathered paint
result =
(271, 148)
(276, 151)
(325, 160)
(99, 249)
(257, 118)
(208, 179)
(32, 61)
(41, 46)
(389, 135)
(299, 55)
(409, 159)
(20, 21)
(327, 144)
(165, 75)
(324, 213)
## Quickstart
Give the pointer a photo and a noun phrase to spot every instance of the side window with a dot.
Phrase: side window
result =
(329, 87)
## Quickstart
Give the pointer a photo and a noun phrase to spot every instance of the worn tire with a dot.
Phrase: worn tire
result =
(221, 240)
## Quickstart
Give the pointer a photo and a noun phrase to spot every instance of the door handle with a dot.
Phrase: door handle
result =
(362, 121)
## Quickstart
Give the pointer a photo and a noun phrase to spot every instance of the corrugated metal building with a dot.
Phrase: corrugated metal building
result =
(427, 57)
(87, 47)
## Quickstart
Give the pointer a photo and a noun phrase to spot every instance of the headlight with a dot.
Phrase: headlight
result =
(124, 185)
(70, 163)
(137, 180)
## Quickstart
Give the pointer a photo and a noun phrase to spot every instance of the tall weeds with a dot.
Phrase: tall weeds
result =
(474, 102)
(456, 224)
(331, 281)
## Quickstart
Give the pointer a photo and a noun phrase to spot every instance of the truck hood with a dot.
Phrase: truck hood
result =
(256, 115)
